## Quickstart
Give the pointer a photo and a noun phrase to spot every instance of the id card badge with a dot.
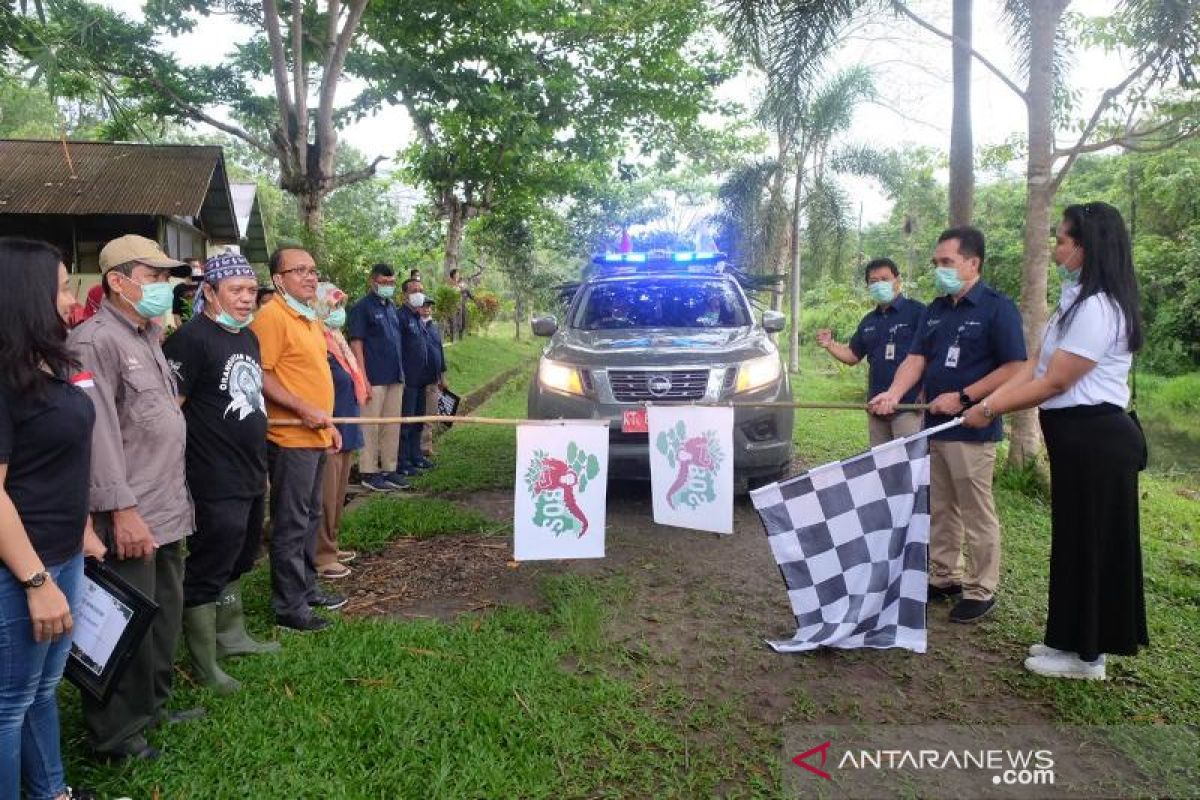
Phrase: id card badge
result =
(952, 357)
(889, 352)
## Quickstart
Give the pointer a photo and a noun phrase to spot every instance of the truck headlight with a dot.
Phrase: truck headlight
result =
(758, 372)
(559, 377)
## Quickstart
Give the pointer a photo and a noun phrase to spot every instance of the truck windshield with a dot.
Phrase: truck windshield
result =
(661, 304)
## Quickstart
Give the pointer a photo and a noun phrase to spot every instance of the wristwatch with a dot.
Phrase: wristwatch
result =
(36, 579)
(965, 399)
(987, 410)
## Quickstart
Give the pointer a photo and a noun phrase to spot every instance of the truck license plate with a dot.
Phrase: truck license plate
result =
(633, 420)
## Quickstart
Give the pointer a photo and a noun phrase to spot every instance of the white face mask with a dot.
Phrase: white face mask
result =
(416, 299)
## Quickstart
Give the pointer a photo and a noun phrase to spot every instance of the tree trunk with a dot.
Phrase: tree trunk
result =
(312, 211)
(794, 331)
(962, 164)
(456, 224)
(518, 312)
(1024, 437)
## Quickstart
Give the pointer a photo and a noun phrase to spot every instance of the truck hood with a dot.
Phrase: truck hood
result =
(658, 347)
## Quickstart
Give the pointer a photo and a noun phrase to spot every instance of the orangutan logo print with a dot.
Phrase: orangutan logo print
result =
(696, 461)
(554, 486)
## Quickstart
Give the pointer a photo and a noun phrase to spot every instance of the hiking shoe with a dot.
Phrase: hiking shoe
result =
(969, 611)
(394, 480)
(424, 463)
(376, 482)
(347, 556)
(1066, 666)
(1040, 649)
(333, 571)
(308, 624)
(944, 592)
(331, 601)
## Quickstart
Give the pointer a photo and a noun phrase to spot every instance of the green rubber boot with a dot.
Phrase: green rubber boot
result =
(200, 633)
(232, 639)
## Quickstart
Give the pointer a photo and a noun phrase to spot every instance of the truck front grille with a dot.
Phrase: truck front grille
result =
(635, 386)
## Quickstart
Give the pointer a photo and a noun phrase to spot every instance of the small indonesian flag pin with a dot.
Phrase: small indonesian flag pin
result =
(84, 380)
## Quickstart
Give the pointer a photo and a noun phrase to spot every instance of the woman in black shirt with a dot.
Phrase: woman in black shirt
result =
(45, 458)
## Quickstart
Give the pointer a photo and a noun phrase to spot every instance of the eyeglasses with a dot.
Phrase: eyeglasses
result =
(304, 272)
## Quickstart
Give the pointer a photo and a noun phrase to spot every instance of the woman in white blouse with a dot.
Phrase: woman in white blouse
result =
(1095, 448)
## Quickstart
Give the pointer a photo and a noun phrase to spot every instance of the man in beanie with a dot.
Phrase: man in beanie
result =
(138, 492)
(215, 357)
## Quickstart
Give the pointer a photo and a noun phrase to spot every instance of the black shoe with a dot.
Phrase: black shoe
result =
(944, 592)
(327, 600)
(968, 611)
(79, 793)
(309, 624)
(135, 749)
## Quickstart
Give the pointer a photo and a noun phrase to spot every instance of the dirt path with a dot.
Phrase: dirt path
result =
(697, 612)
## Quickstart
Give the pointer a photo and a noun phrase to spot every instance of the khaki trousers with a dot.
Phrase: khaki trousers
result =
(333, 500)
(432, 394)
(381, 443)
(896, 426)
(961, 506)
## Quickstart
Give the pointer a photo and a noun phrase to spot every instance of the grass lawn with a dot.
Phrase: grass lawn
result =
(480, 456)
(476, 360)
(1160, 685)
(522, 703)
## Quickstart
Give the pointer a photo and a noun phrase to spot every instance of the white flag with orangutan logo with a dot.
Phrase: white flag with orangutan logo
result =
(691, 466)
(562, 480)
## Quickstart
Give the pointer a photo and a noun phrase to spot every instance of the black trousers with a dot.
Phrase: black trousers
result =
(412, 405)
(1097, 604)
(222, 549)
(141, 694)
(296, 475)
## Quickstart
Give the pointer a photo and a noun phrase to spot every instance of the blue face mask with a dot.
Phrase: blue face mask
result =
(156, 299)
(226, 320)
(947, 281)
(881, 292)
(300, 308)
(335, 319)
(385, 292)
(1069, 277)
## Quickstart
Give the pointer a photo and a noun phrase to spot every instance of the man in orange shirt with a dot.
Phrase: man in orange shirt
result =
(297, 385)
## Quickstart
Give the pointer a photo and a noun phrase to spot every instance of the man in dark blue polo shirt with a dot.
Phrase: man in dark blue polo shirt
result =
(968, 343)
(883, 338)
(420, 370)
(374, 327)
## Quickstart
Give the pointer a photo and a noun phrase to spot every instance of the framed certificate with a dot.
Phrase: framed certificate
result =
(447, 404)
(111, 619)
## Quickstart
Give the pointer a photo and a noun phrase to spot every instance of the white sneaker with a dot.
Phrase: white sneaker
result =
(1046, 650)
(1066, 666)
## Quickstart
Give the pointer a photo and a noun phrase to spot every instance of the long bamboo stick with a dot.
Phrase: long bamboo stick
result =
(506, 421)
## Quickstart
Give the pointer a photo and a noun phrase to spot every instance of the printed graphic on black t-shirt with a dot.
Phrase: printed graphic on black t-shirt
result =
(220, 375)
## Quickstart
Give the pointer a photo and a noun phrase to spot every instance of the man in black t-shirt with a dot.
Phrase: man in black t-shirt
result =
(215, 358)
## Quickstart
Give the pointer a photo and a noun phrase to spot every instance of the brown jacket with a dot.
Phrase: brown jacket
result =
(139, 438)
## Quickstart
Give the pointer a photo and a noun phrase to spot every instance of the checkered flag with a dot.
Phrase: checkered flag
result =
(851, 540)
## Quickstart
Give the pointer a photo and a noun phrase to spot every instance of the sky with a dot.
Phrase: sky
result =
(911, 68)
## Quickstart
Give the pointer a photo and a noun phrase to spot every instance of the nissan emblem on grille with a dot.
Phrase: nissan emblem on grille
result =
(658, 385)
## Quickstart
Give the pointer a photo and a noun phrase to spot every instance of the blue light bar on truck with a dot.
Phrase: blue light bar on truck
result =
(660, 258)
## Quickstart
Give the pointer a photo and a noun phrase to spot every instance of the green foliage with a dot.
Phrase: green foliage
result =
(446, 303)
(380, 520)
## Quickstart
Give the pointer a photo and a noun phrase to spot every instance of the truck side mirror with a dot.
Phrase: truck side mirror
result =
(773, 321)
(544, 326)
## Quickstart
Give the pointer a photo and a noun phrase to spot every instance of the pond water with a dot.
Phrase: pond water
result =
(1172, 450)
